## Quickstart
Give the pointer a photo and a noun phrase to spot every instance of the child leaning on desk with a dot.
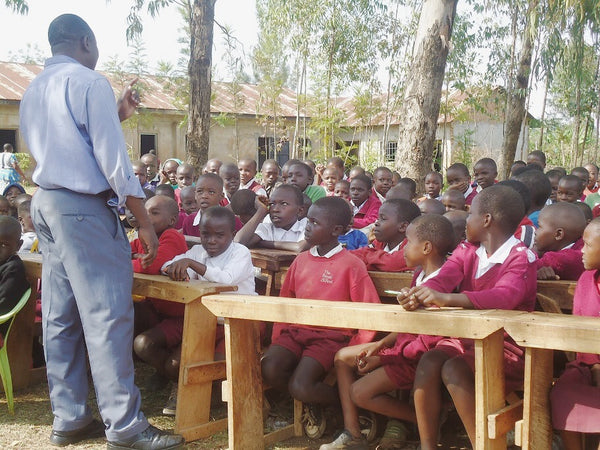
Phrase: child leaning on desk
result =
(492, 270)
(575, 397)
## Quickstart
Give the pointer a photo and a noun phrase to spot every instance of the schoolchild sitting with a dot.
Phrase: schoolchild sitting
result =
(11, 192)
(493, 270)
(301, 176)
(243, 204)
(165, 189)
(485, 172)
(342, 189)
(458, 177)
(540, 190)
(185, 177)
(331, 177)
(231, 182)
(558, 242)
(208, 192)
(187, 204)
(353, 239)
(453, 200)
(367, 373)
(570, 189)
(433, 186)
(282, 230)
(30, 240)
(525, 231)
(366, 204)
(432, 206)
(382, 182)
(247, 168)
(300, 356)
(458, 219)
(140, 170)
(270, 175)
(4, 206)
(386, 253)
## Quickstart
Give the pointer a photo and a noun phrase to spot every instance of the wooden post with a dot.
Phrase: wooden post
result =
(537, 428)
(20, 340)
(489, 388)
(245, 398)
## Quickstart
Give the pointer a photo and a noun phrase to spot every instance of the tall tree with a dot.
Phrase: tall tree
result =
(421, 105)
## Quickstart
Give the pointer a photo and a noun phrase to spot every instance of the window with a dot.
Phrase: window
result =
(147, 143)
(8, 137)
(266, 149)
(390, 151)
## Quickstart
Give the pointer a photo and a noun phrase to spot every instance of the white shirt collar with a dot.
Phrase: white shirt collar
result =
(196, 221)
(479, 189)
(334, 251)
(468, 191)
(498, 257)
(299, 225)
(379, 196)
(357, 208)
(568, 246)
(248, 184)
(387, 248)
(421, 278)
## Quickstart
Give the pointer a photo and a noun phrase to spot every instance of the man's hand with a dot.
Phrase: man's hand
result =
(128, 102)
(149, 241)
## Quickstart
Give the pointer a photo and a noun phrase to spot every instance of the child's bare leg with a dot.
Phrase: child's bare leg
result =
(572, 440)
(151, 347)
(172, 364)
(344, 363)
(306, 383)
(428, 396)
(460, 382)
(370, 392)
(277, 365)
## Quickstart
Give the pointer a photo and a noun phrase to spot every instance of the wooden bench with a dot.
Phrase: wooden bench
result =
(197, 366)
(273, 264)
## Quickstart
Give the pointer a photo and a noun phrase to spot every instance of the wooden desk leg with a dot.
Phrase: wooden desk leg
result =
(244, 407)
(537, 427)
(198, 345)
(20, 341)
(489, 387)
(270, 282)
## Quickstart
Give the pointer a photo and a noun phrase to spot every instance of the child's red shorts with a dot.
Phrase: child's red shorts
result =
(320, 345)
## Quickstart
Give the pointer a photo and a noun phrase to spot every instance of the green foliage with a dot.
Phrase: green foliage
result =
(31, 54)
(464, 148)
(24, 161)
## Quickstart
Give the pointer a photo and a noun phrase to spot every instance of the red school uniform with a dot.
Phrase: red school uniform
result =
(377, 258)
(566, 263)
(368, 212)
(339, 277)
(575, 399)
(470, 195)
(510, 282)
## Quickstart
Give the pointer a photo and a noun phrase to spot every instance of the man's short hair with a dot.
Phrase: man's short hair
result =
(67, 28)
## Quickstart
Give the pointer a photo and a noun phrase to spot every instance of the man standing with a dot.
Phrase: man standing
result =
(71, 125)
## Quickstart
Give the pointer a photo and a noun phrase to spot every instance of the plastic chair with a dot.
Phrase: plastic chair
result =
(4, 365)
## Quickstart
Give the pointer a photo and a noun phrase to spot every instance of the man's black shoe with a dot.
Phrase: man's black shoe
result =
(150, 439)
(92, 430)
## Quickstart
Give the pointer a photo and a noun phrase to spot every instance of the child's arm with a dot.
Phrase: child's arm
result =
(247, 235)
(170, 245)
(177, 270)
(423, 295)
(547, 273)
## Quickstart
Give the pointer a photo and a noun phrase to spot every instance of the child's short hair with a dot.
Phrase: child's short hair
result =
(436, 229)
(306, 201)
(487, 162)
(579, 172)
(521, 188)
(538, 184)
(25, 208)
(409, 183)
(344, 183)
(437, 174)
(251, 161)
(432, 206)
(585, 209)
(554, 174)
(461, 168)
(405, 210)
(10, 226)
(214, 177)
(504, 204)
(219, 213)
(171, 205)
(149, 194)
(242, 202)
(297, 193)
(383, 169)
(270, 162)
(363, 178)
(165, 189)
(305, 167)
(538, 154)
(338, 212)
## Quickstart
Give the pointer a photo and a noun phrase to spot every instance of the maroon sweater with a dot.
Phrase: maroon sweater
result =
(566, 263)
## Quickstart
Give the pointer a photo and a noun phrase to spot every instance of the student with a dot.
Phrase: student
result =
(458, 219)
(485, 172)
(395, 178)
(185, 177)
(243, 204)
(432, 206)
(356, 170)
(283, 230)
(300, 356)
(386, 253)
(570, 189)
(187, 205)
(558, 242)
(515, 166)
(433, 186)
(4, 206)
(575, 397)
(458, 177)
(286, 167)
(410, 185)
(331, 177)
(389, 364)
(586, 210)
(537, 157)
(13, 282)
(584, 176)
(141, 172)
(539, 188)
(209, 192)
(399, 191)
(453, 200)
(168, 174)
(231, 182)
(525, 231)
(554, 177)
(382, 182)
(247, 168)
(270, 175)
(165, 189)
(592, 185)
(306, 204)
(366, 204)
(212, 166)
(11, 192)
(217, 259)
(28, 235)
(336, 162)
(151, 162)
(159, 323)
(301, 176)
(342, 189)
(492, 270)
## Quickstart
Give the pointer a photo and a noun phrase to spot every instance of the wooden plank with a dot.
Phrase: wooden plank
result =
(244, 408)
(271, 259)
(298, 428)
(504, 420)
(489, 388)
(561, 291)
(20, 340)
(203, 430)
(458, 323)
(279, 435)
(204, 372)
(197, 346)
(393, 281)
(536, 431)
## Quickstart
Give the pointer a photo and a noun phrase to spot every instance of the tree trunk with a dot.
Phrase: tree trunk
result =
(199, 71)
(421, 105)
(516, 102)
(540, 146)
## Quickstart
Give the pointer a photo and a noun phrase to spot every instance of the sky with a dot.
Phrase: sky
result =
(108, 21)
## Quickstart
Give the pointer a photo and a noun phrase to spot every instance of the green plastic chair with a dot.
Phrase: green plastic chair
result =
(4, 365)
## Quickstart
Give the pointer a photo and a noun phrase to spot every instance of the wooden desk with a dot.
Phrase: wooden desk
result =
(197, 367)
(272, 264)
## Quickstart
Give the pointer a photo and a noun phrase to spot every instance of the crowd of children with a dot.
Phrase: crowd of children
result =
(472, 245)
